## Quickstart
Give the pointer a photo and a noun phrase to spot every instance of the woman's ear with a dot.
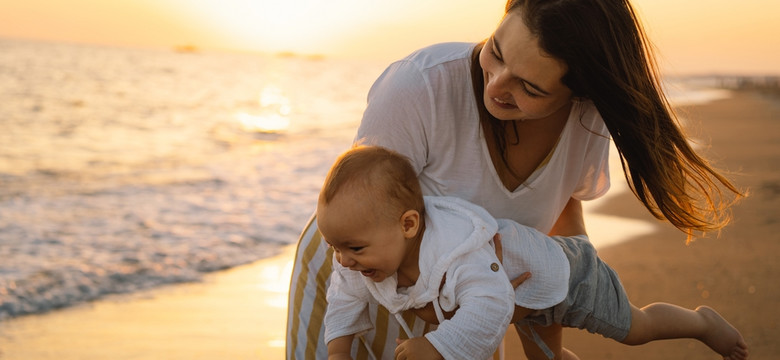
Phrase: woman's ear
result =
(410, 223)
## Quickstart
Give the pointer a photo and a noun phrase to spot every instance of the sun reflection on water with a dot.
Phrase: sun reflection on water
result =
(272, 96)
(273, 115)
(272, 123)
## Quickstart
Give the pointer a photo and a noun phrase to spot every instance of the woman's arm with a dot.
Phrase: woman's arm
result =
(571, 221)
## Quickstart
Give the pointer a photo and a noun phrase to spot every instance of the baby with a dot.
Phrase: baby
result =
(405, 251)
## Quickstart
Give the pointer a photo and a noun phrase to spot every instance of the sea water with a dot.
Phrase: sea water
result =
(126, 168)
(123, 168)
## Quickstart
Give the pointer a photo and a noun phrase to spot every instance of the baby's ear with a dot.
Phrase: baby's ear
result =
(410, 223)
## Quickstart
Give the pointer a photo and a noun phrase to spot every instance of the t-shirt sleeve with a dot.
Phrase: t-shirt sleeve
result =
(594, 181)
(399, 108)
(484, 300)
(527, 249)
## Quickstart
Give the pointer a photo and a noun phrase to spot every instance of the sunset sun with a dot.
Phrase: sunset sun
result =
(306, 27)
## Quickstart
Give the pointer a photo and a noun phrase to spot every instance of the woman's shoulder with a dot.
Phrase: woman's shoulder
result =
(433, 67)
(589, 119)
(434, 55)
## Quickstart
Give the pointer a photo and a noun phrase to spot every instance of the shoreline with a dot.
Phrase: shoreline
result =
(241, 313)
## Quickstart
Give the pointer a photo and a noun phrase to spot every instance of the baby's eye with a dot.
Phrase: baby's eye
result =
(356, 248)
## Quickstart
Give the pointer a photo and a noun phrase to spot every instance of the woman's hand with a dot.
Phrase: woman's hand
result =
(500, 254)
(415, 348)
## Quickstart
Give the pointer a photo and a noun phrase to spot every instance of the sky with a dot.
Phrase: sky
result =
(690, 36)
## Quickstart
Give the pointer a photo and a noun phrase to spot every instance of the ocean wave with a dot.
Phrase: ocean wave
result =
(65, 247)
(54, 286)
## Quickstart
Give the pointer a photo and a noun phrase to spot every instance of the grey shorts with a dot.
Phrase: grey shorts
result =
(596, 301)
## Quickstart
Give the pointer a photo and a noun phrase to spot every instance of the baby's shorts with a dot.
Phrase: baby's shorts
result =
(596, 301)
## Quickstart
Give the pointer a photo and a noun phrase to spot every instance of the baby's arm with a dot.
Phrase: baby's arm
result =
(340, 348)
(484, 301)
(347, 312)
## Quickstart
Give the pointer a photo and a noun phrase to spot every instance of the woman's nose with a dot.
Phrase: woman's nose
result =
(498, 80)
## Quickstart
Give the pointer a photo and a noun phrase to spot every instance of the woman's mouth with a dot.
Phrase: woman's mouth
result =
(503, 104)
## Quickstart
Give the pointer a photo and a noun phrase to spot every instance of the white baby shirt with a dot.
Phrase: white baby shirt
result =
(457, 243)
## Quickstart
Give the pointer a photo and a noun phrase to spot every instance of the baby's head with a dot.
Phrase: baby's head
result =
(380, 181)
(371, 211)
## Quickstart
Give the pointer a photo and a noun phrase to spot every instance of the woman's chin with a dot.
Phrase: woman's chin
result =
(504, 114)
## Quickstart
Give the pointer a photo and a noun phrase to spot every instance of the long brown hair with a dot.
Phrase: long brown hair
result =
(610, 62)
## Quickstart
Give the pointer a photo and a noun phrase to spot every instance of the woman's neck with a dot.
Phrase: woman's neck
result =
(527, 145)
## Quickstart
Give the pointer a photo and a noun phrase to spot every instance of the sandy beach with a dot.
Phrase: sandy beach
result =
(735, 273)
(240, 313)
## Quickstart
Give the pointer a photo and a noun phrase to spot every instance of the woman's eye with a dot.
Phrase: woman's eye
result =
(530, 93)
(494, 54)
(490, 45)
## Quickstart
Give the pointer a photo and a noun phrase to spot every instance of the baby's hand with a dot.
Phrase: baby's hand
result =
(416, 348)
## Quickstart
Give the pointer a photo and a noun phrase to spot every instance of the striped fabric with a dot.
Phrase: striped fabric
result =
(307, 305)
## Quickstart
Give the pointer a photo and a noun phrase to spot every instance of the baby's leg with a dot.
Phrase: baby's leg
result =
(666, 321)
(551, 335)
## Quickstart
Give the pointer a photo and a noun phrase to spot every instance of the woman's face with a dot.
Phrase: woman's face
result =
(521, 81)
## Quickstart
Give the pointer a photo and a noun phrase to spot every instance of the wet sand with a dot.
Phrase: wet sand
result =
(235, 314)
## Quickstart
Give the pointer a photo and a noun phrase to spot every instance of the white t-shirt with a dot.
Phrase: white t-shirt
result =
(424, 108)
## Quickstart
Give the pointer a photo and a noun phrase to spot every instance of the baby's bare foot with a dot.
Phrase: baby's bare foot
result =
(721, 336)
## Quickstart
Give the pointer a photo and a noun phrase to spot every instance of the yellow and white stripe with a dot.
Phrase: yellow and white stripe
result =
(308, 285)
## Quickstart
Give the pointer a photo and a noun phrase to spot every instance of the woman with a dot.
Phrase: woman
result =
(520, 124)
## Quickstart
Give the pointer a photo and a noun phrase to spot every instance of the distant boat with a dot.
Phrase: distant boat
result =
(185, 49)
(286, 54)
(292, 55)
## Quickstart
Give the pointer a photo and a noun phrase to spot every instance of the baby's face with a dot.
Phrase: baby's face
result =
(361, 240)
